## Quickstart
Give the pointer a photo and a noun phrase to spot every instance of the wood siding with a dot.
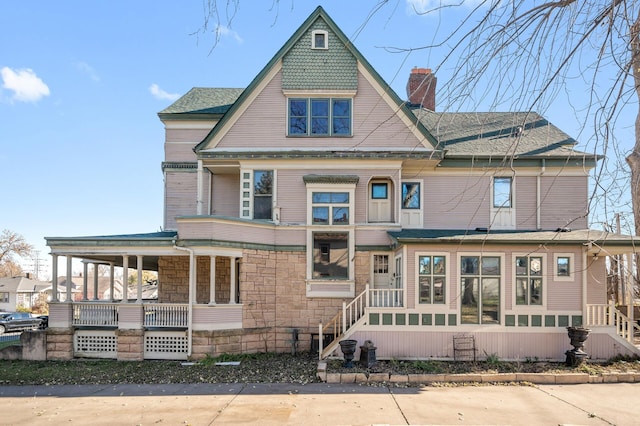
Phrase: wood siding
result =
(225, 195)
(510, 345)
(525, 202)
(564, 201)
(455, 202)
(223, 230)
(180, 196)
(264, 124)
(179, 143)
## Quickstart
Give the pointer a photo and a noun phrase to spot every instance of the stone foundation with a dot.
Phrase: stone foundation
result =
(60, 344)
(130, 345)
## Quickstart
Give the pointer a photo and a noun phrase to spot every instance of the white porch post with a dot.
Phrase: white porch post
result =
(139, 263)
(125, 276)
(54, 278)
(200, 189)
(232, 284)
(95, 281)
(212, 280)
(69, 282)
(631, 287)
(111, 280)
(85, 272)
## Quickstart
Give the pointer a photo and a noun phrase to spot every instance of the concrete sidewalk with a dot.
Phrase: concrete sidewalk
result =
(319, 404)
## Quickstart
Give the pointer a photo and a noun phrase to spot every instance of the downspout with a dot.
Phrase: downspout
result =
(191, 291)
(538, 201)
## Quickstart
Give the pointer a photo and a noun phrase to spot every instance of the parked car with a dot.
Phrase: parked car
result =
(17, 321)
(45, 321)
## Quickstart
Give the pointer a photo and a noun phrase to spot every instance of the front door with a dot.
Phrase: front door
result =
(398, 295)
(381, 278)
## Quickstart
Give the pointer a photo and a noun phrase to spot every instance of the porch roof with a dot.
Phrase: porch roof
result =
(597, 241)
(86, 247)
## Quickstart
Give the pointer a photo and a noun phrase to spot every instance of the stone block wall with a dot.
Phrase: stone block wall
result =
(173, 278)
(59, 344)
(130, 345)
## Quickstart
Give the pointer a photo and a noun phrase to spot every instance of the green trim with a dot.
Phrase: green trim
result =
(475, 162)
(331, 179)
(180, 165)
(387, 319)
(187, 116)
(549, 320)
(414, 319)
(374, 319)
(453, 318)
(334, 155)
(523, 320)
(563, 320)
(536, 320)
(427, 319)
(510, 320)
(401, 319)
(440, 319)
(576, 320)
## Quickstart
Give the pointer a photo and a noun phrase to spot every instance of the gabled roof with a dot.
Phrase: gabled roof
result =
(21, 284)
(318, 13)
(202, 100)
(514, 135)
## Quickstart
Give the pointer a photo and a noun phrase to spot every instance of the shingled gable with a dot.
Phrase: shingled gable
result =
(399, 106)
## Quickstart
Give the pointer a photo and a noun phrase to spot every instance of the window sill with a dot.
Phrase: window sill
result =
(331, 288)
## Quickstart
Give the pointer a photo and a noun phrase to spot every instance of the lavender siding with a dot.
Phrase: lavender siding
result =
(180, 196)
(564, 201)
(548, 343)
(292, 192)
(525, 202)
(456, 202)
(263, 123)
(227, 230)
(179, 143)
(225, 195)
(596, 281)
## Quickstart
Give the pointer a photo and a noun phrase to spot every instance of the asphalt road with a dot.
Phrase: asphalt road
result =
(319, 404)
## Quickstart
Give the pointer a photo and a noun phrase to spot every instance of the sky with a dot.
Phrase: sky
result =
(81, 83)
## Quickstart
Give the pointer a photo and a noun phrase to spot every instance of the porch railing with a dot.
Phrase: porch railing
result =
(95, 314)
(608, 315)
(389, 298)
(168, 315)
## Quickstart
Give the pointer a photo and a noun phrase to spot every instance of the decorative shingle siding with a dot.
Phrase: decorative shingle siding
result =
(304, 68)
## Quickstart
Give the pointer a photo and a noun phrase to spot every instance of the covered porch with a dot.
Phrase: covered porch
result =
(197, 293)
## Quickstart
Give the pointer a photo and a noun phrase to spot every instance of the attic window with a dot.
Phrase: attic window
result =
(319, 40)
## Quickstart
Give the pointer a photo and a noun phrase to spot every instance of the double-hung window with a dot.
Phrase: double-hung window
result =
(319, 117)
(528, 280)
(502, 194)
(431, 279)
(330, 208)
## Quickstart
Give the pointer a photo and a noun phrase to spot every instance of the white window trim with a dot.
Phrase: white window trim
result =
(545, 290)
(348, 229)
(326, 39)
(503, 284)
(498, 212)
(274, 211)
(572, 267)
(433, 307)
(311, 96)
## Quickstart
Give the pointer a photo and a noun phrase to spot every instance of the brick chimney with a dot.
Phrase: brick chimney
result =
(421, 88)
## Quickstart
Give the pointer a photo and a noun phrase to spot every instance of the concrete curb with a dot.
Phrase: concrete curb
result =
(535, 378)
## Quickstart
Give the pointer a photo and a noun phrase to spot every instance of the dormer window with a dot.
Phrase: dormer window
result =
(319, 40)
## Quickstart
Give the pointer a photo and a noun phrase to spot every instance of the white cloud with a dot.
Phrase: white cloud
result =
(158, 93)
(424, 6)
(24, 83)
(89, 70)
(223, 31)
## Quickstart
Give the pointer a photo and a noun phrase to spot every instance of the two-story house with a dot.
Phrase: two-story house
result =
(316, 202)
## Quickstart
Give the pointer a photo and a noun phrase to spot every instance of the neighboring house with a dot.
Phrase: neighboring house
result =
(20, 292)
(316, 198)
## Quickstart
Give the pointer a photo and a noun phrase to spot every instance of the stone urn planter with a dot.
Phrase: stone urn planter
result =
(348, 348)
(577, 336)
